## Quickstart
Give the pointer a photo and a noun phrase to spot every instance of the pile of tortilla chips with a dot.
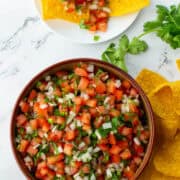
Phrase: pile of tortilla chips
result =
(53, 9)
(164, 97)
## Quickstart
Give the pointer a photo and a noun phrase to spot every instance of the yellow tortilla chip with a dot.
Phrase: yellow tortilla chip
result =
(122, 7)
(162, 101)
(167, 158)
(53, 9)
(175, 87)
(166, 128)
(149, 80)
(178, 64)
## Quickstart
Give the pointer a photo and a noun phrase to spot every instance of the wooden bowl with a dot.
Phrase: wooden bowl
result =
(68, 64)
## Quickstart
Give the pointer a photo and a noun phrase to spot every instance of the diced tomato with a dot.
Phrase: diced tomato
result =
(128, 173)
(90, 92)
(32, 95)
(46, 127)
(32, 150)
(91, 102)
(68, 149)
(76, 109)
(60, 168)
(34, 124)
(57, 92)
(78, 100)
(101, 109)
(112, 139)
(102, 26)
(102, 15)
(118, 95)
(55, 136)
(115, 158)
(133, 108)
(126, 131)
(100, 87)
(115, 149)
(80, 72)
(83, 84)
(78, 164)
(103, 147)
(21, 120)
(133, 92)
(126, 84)
(104, 141)
(23, 145)
(24, 106)
(126, 154)
(111, 88)
(101, 3)
(93, 28)
(144, 136)
(98, 122)
(60, 120)
(70, 135)
(93, 112)
(139, 149)
(86, 127)
(86, 118)
(87, 140)
(55, 159)
(114, 112)
(122, 144)
(86, 169)
(40, 112)
(61, 73)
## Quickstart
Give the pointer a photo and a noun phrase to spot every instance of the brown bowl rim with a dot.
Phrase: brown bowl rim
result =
(146, 102)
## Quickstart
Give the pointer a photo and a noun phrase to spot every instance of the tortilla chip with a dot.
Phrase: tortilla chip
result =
(53, 9)
(122, 7)
(166, 128)
(149, 80)
(178, 64)
(150, 173)
(162, 101)
(167, 158)
(175, 87)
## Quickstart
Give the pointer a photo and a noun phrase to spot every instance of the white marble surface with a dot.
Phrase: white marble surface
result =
(27, 47)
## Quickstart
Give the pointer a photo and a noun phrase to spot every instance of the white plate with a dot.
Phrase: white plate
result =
(116, 26)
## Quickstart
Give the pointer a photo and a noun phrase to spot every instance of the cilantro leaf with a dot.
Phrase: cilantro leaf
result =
(137, 46)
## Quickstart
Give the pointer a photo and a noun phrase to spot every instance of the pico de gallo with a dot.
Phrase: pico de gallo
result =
(82, 124)
(98, 13)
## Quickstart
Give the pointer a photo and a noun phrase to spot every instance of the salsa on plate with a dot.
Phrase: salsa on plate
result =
(98, 13)
(83, 123)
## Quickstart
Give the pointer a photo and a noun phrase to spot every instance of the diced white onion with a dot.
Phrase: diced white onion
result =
(97, 149)
(69, 96)
(29, 130)
(98, 135)
(91, 75)
(60, 100)
(106, 9)
(36, 146)
(107, 125)
(108, 173)
(93, 7)
(136, 141)
(125, 108)
(70, 117)
(43, 106)
(72, 126)
(27, 159)
(90, 68)
(117, 83)
(47, 78)
(81, 145)
(106, 100)
(60, 149)
(84, 96)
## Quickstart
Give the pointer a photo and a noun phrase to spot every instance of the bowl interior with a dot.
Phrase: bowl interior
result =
(68, 64)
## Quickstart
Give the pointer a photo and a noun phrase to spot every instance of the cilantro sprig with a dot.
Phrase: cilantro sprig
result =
(166, 26)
